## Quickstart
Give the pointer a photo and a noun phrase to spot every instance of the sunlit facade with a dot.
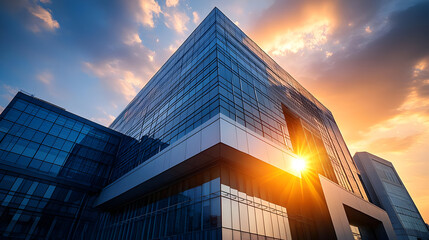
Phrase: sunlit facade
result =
(221, 143)
(386, 189)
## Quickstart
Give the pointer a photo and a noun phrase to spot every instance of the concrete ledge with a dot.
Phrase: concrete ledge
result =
(197, 149)
(338, 200)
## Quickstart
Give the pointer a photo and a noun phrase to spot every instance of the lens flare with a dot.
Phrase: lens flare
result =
(298, 164)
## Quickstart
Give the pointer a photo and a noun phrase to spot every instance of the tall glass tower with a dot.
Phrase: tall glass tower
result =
(222, 143)
(386, 189)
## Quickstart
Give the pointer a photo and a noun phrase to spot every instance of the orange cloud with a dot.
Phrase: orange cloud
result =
(393, 144)
(368, 29)
(45, 16)
(171, 3)
(125, 74)
(176, 20)
(196, 17)
(119, 79)
(147, 9)
(294, 26)
(35, 17)
(310, 36)
(132, 38)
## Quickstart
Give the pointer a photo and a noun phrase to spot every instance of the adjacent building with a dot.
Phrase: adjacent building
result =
(52, 166)
(386, 190)
(206, 150)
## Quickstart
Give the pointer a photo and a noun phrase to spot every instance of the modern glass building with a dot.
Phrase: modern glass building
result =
(206, 150)
(52, 165)
(386, 190)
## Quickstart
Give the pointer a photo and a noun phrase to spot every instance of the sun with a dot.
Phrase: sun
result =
(299, 164)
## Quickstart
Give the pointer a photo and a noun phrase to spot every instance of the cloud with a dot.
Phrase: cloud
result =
(45, 16)
(310, 36)
(10, 92)
(376, 78)
(106, 121)
(146, 10)
(106, 118)
(32, 14)
(124, 75)
(368, 29)
(171, 3)
(393, 144)
(293, 25)
(421, 78)
(174, 46)
(115, 58)
(400, 133)
(196, 17)
(176, 20)
(45, 77)
(368, 66)
(122, 81)
(353, 73)
(151, 57)
(132, 38)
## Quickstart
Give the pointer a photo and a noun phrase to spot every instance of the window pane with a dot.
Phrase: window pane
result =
(244, 217)
(31, 149)
(20, 146)
(215, 217)
(226, 213)
(13, 115)
(5, 126)
(252, 220)
(235, 215)
(259, 221)
(42, 152)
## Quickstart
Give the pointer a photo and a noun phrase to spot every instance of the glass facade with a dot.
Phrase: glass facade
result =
(218, 69)
(52, 164)
(182, 95)
(214, 203)
(407, 213)
(248, 210)
(189, 208)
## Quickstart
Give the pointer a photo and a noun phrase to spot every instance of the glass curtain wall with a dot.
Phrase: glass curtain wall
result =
(215, 203)
(52, 163)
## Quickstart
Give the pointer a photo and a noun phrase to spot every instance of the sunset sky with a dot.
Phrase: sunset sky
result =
(367, 61)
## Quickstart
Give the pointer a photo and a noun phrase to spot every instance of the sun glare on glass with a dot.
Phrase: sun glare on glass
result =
(298, 164)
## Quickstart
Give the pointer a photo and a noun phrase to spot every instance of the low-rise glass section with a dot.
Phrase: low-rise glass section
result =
(52, 164)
